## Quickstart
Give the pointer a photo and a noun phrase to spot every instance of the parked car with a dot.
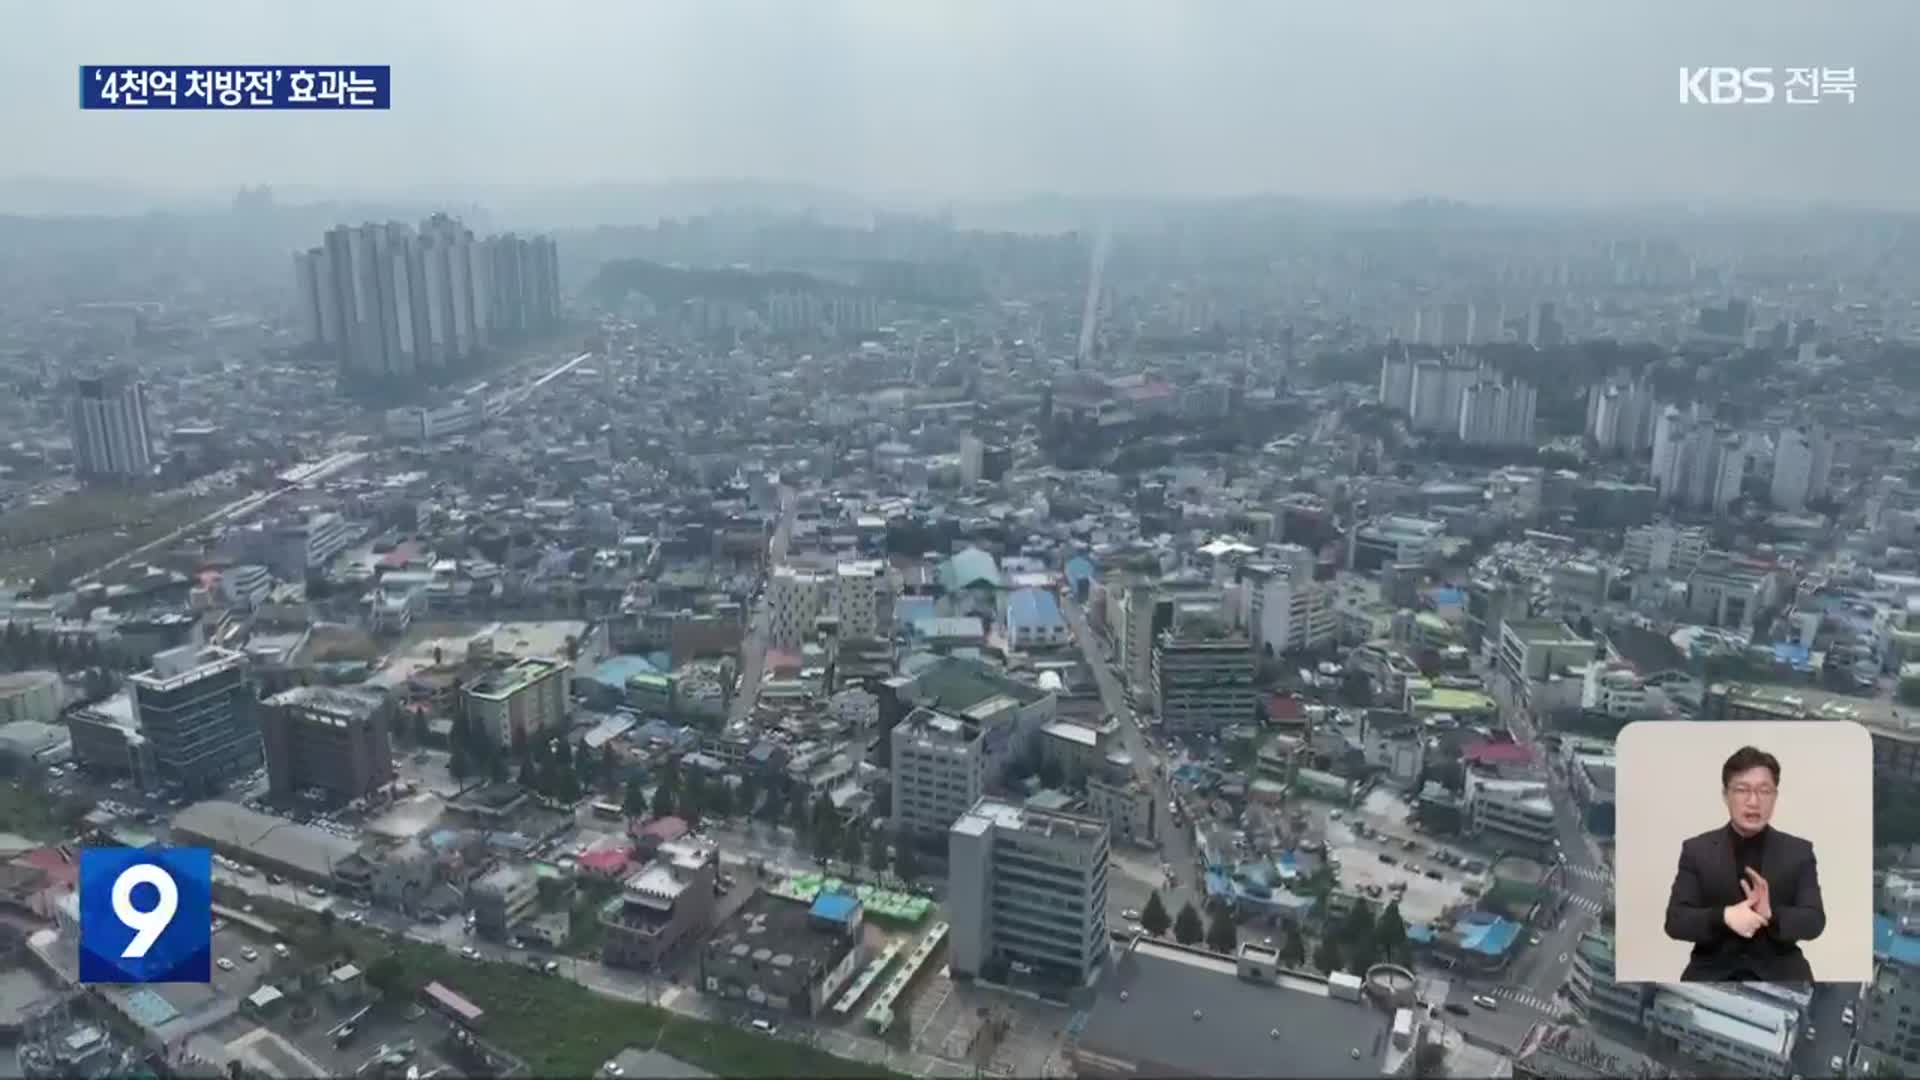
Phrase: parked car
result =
(1485, 1002)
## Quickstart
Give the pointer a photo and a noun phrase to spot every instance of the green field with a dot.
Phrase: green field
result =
(556, 1026)
(78, 533)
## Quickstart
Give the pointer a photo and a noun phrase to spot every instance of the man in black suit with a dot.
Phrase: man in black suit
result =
(1746, 894)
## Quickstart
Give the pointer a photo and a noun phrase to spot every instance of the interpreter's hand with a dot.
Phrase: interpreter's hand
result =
(1758, 897)
(1742, 919)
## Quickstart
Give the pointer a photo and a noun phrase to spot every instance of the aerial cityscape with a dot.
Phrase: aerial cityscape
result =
(770, 629)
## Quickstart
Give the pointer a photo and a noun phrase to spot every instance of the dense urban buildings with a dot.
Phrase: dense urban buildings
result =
(111, 430)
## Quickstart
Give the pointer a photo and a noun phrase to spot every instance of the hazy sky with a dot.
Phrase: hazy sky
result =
(1527, 99)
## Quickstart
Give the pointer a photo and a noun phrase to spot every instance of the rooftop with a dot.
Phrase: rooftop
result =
(771, 930)
(1242, 1028)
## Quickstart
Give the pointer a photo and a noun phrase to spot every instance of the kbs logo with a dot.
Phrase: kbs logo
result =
(146, 915)
(1760, 85)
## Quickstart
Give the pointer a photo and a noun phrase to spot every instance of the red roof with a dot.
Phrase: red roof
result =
(607, 860)
(1284, 707)
(1491, 752)
(61, 867)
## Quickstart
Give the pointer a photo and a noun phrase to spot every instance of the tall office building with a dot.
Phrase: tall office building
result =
(196, 709)
(110, 429)
(388, 301)
(320, 737)
(1027, 887)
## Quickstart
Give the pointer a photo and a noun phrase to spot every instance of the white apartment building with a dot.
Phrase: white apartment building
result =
(1288, 611)
(1802, 464)
(1614, 689)
(863, 599)
(1395, 539)
(1665, 549)
(1515, 809)
(939, 770)
(795, 598)
(110, 429)
(1726, 1028)
(1027, 887)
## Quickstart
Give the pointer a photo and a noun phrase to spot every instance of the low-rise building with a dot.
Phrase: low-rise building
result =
(1518, 811)
(665, 903)
(1592, 986)
(1724, 1027)
(505, 895)
(783, 955)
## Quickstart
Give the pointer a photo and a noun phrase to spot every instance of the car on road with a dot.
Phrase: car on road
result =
(224, 964)
(766, 1027)
(317, 890)
(1846, 1016)
(1131, 915)
(249, 954)
(470, 952)
(1838, 1065)
(1485, 1002)
(1534, 940)
(1458, 1009)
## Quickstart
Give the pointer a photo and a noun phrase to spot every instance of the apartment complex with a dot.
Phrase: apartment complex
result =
(389, 302)
(110, 422)
(196, 710)
(334, 740)
(1027, 887)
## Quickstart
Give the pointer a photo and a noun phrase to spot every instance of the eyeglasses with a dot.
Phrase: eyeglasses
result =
(1742, 791)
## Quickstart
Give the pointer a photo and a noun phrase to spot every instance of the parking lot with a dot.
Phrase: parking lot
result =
(1005, 1035)
(1382, 853)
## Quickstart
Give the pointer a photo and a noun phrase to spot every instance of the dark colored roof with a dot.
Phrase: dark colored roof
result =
(1155, 1028)
(1648, 652)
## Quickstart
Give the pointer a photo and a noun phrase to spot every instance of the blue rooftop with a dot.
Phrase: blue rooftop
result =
(1491, 938)
(1448, 597)
(1034, 608)
(908, 610)
(835, 907)
(969, 567)
(1890, 943)
(1079, 568)
(614, 671)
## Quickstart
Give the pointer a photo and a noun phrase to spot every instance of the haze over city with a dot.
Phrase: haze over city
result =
(1486, 101)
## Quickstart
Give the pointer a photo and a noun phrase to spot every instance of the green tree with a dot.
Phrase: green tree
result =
(387, 976)
(877, 851)
(720, 800)
(1358, 926)
(529, 773)
(634, 799)
(1187, 927)
(609, 766)
(1293, 950)
(662, 800)
(1327, 957)
(1430, 1061)
(497, 768)
(457, 764)
(421, 732)
(1223, 936)
(906, 864)
(1390, 937)
(1154, 918)
(694, 797)
(1050, 773)
(853, 846)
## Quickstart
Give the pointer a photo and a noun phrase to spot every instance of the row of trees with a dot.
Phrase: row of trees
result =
(1358, 942)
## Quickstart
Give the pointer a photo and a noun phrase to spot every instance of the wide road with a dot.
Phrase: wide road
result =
(1585, 880)
(1176, 844)
(753, 650)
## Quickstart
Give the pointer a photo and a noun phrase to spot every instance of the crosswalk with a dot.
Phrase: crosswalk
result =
(1599, 875)
(1587, 904)
(1524, 997)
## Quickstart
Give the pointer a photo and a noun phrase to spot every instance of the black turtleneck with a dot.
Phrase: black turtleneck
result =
(1749, 852)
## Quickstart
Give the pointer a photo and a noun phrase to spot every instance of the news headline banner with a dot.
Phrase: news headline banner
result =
(236, 86)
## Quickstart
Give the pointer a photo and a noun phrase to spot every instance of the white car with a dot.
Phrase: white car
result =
(249, 954)
(470, 953)
(1130, 915)
(1838, 1065)
(224, 964)
(1846, 1016)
